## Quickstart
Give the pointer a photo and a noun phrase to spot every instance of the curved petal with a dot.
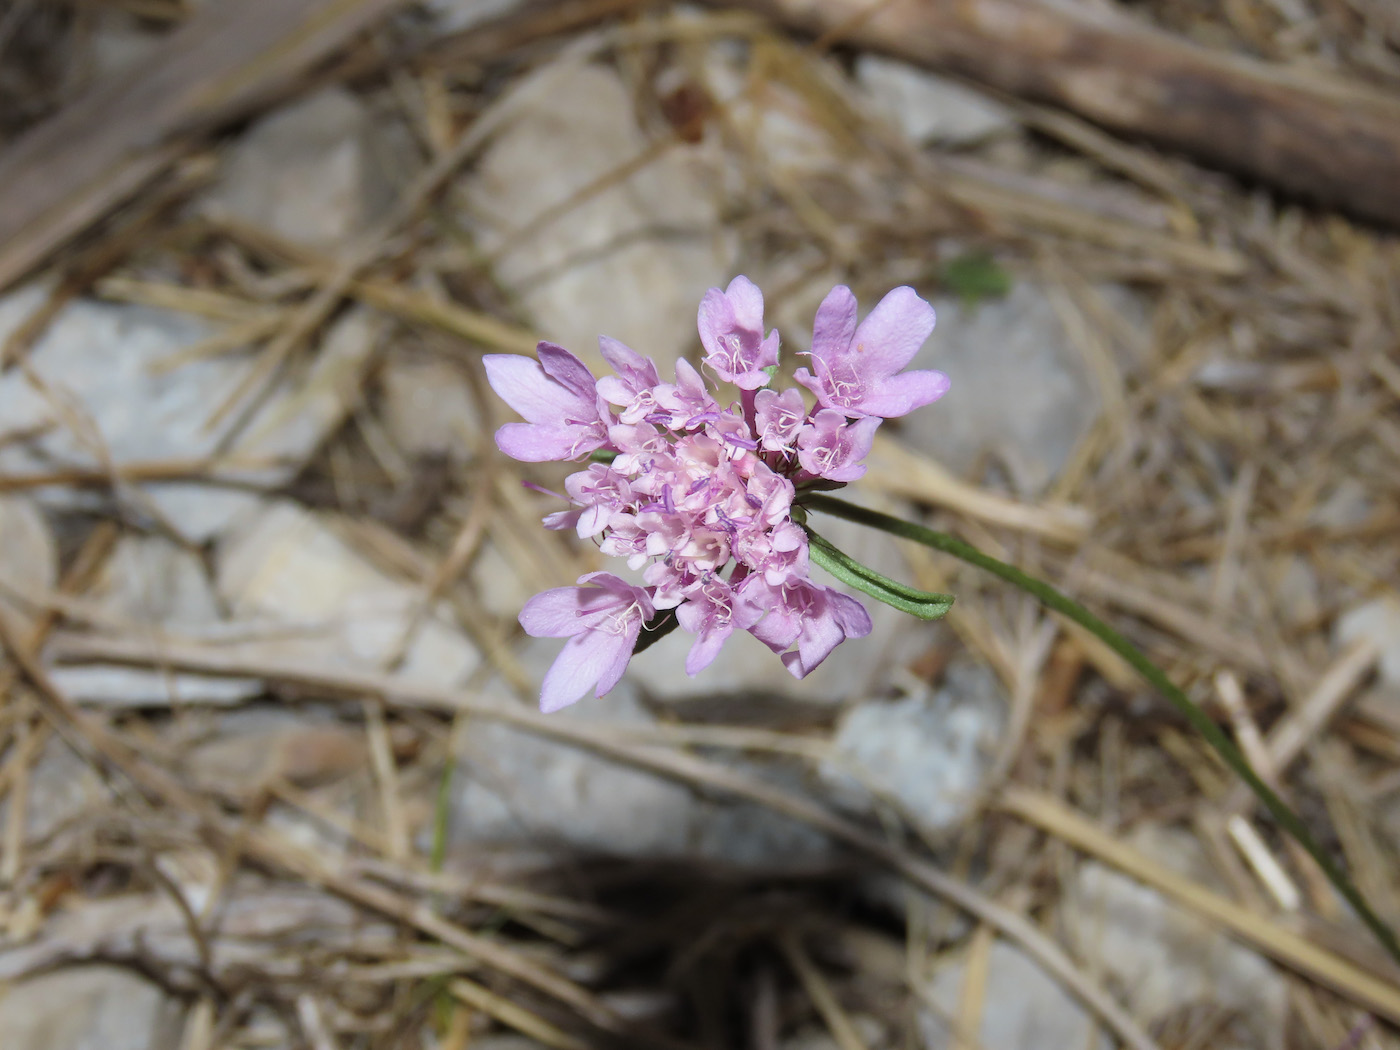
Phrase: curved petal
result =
(521, 383)
(834, 325)
(580, 664)
(706, 648)
(892, 333)
(629, 364)
(619, 650)
(747, 302)
(542, 443)
(901, 394)
(555, 613)
(567, 370)
(714, 320)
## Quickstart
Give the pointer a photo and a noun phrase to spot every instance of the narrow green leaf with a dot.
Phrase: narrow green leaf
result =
(926, 605)
(1200, 721)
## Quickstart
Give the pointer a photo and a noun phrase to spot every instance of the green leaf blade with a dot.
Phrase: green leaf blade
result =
(926, 605)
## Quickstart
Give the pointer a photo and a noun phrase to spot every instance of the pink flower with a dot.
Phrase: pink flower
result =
(731, 331)
(858, 368)
(816, 618)
(711, 613)
(700, 497)
(831, 448)
(558, 397)
(778, 416)
(601, 621)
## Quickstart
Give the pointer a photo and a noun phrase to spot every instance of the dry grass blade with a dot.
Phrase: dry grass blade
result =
(838, 1022)
(512, 1015)
(672, 765)
(1292, 950)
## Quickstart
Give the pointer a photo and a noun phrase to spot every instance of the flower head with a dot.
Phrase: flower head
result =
(601, 621)
(856, 367)
(699, 496)
(731, 331)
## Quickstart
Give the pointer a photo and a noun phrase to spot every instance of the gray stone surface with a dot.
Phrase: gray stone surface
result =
(28, 556)
(150, 583)
(307, 595)
(1025, 1009)
(98, 367)
(631, 261)
(1378, 621)
(1165, 960)
(87, 1008)
(428, 408)
(928, 752)
(307, 172)
(1019, 388)
(517, 789)
(929, 108)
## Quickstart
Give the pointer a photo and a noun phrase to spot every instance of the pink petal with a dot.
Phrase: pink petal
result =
(539, 443)
(747, 303)
(901, 394)
(834, 325)
(553, 614)
(714, 320)
(521, 383)
(567, 370)
(580, 664)
(892, 333)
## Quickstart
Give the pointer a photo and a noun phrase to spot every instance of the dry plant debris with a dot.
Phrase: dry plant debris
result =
(269, 774)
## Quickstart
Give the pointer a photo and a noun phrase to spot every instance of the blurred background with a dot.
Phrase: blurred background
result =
(269, 770)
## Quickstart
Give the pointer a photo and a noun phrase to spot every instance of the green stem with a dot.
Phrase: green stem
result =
(1200, 721)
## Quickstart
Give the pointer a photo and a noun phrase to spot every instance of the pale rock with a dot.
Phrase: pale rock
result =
(28, 557)
(776, 124)
(457, 16)
(62, 789)
(92, 1007)
(102, 363)
(929, 752)
(515, 788)
(318, 600)
(428, 408)
(150, 583)
(249, 749)
(1378, 621)
(1020, 389)
(929, 108)
(1026, 1009)
(746, 665)
(119, 45)
(496, 584)
(306, 172)
(1164, 959)
(631, 261)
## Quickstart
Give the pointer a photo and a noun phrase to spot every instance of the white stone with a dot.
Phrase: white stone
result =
(149, 582)
(929, 108)
(319, 600)
(428, 408)
(62, 788)
(100, 365)
(1025, 1008)
(929, 751)
(517, 788)
(457, 16)
(305, 172)
(1019, 388)
(90, 1007)
(1164, 959)
(1379, 621)
(631, 261)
